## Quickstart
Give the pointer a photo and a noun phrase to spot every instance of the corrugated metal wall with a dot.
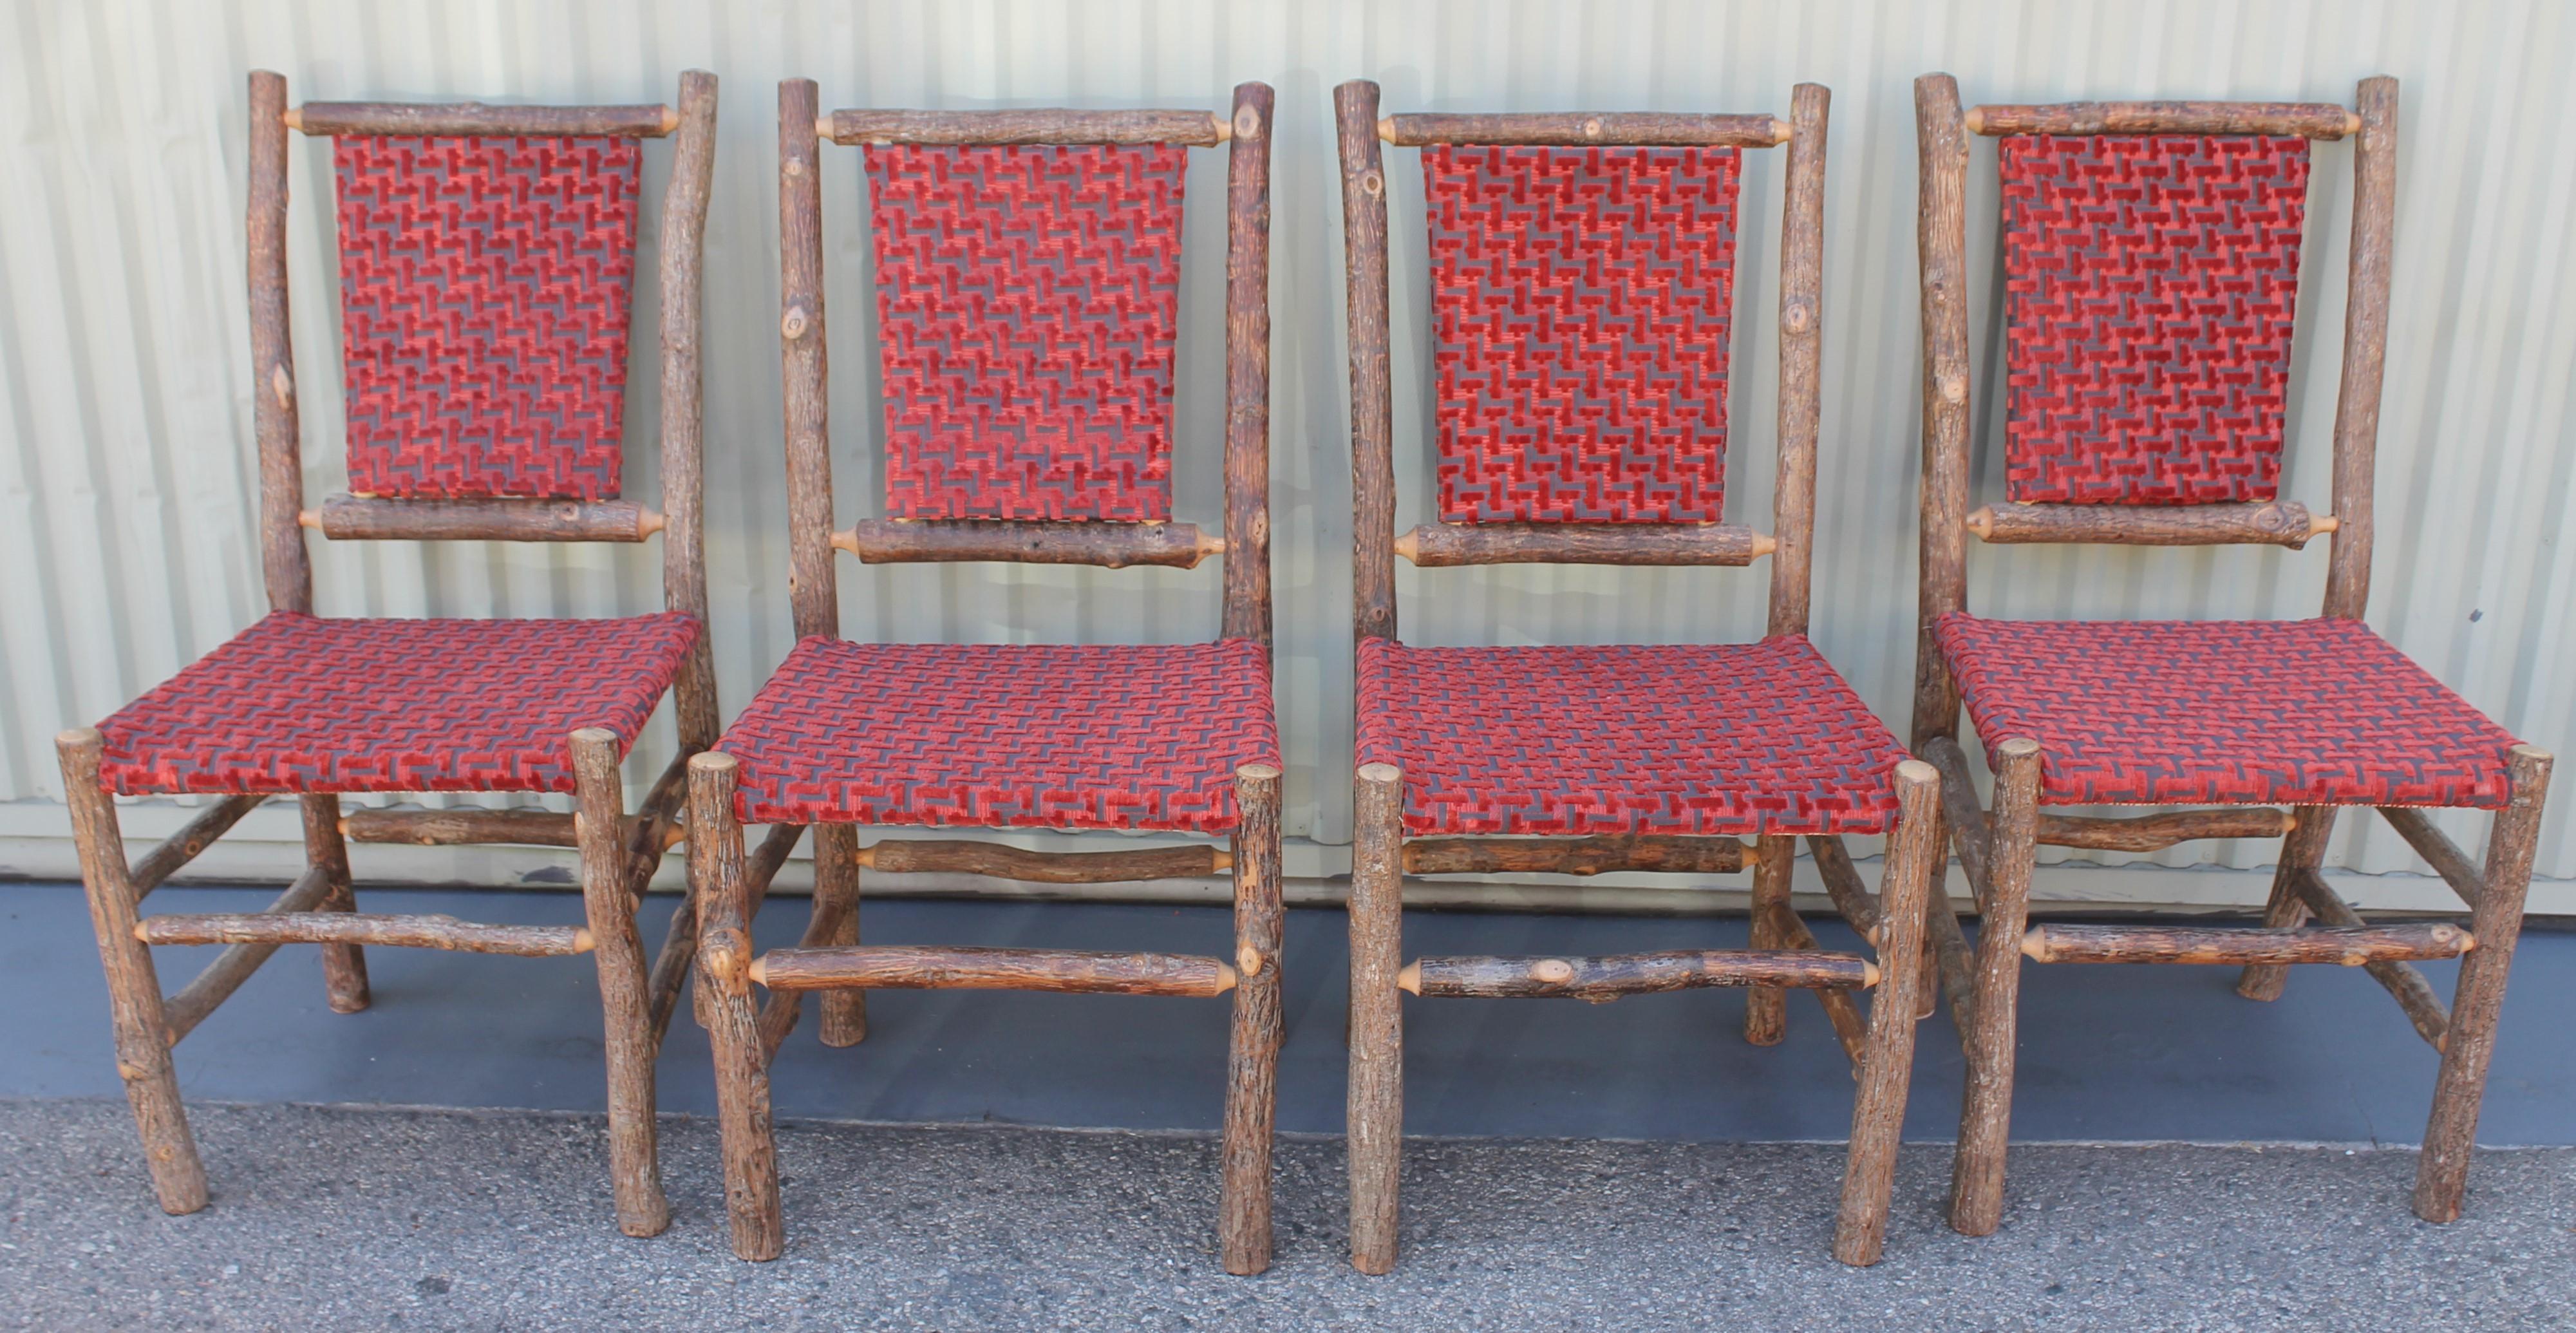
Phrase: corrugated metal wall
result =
(127, 528)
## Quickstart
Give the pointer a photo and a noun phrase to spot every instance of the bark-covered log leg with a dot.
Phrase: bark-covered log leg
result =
(2303, 849)
(344, 966)
(133, 988)
(836, 882)
(1985, 1113)
(634, 1152)
(724, 965)
(1376, 1131)
(1766, 1008)
(2451, 1136)
(1878, 1111)
(1252, 1065)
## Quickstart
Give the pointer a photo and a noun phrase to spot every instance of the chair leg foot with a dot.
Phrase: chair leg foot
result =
(634, 1145)
(1985, 1111)
(344, 966)
(1376, 1108)
(1887, 1063)
(133, 987)
(2451, 1134)
(845, 1012)
(1252, 1067)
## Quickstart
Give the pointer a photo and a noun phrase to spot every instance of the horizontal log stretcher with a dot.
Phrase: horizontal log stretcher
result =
(1578, 129)
(1445, 545)
(474, 119)
(366, 518)
(1035, 125)
(2309, 120)
(2281, 523)
(1663, 853)
(906, 967)
(1606, 977)
(1000, 861)
(881, 541)
(410, 932)
(2154, 833)
(2349, 946)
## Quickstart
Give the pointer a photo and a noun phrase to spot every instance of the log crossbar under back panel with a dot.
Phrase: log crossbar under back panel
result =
(2307, 120)
(880, 541)
(1443, 545)
(1032, 125)
(1577, 129)
(474, 119)
(2279, 523)
(366, 518)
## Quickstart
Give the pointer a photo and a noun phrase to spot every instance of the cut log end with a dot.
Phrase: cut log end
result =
(847, 539)
(294, 117)
(1226, 979)
(1975, 120)
(1982, 523)
(1917, 772)
(1764, 543)
(1869, 971)
(670, 119)
(1410, 979)
(309, 518)
(1379, 773)
(1386, 129)
(2351, 123)
(1224, 127)
(583, 941)
(2321, 524)
(758, 971)
(1553, 971)
(1409, 546)
(2017, 746)
(1780, 130)
(1247, 960)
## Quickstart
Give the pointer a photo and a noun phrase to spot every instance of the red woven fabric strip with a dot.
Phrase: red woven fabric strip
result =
(484, 289)
(1730, 739)
(2149, 289)
(1026, 302)
(2228, 712)
(301, 704)
(1005, 735)
(1580, 303)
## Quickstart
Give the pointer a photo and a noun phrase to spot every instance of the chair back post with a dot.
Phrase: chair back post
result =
(1941, 238)
(1372, 394)
(1247, 365)
(2365, 346)
(1801, 337)
(285, 565)
(683, 269)
(811, 580)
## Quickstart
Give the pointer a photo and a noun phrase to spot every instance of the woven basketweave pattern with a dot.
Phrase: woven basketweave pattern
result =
(1729, 739)
(297, 703)
(2295, 712)
(1581, 299)
(1026, 299)
(1005, 736)
(2149, 289)
(484, 289)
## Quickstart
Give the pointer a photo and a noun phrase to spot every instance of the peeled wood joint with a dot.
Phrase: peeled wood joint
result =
(408, 932)
(935, 856)
(2281, 523)
(370, 518)
(2150, 833)
(905, 967)
(2349, 946)
(1661, 853)
(1576, 129)
(1441, 545)
(2310, 120)
(879, 541)
(1607, 977)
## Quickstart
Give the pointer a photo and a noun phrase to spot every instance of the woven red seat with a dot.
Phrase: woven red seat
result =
(298, 703)
(1726, 739)
(2296, 712)
(1005, 735)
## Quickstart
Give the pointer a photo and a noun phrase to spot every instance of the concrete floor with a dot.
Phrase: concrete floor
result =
(332, 1219)
(1634, 1164)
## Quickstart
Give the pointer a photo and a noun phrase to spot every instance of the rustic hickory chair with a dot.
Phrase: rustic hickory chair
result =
(2151, 255)
(1027, 268)
(486, 258)
(1582, 277)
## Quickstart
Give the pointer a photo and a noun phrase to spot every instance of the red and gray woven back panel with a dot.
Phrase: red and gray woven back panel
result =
(2150, 283)
(1027, 299)
(1580, 301)
(484, 290)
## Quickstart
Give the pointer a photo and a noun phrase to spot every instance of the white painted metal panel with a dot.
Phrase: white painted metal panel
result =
(126, 525)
